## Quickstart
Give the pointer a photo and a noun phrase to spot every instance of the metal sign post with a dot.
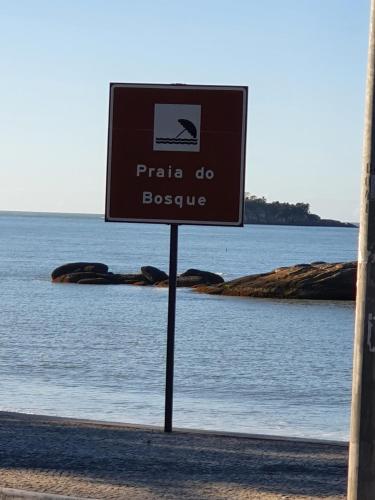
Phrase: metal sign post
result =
(173, 247)
(176, 155)
(361, 480)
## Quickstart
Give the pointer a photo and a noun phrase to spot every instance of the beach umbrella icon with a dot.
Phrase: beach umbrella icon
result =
(188, 126)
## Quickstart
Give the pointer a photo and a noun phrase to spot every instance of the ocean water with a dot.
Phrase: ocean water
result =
(241, 364)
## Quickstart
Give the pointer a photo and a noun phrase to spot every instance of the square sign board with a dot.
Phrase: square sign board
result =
(176, 154)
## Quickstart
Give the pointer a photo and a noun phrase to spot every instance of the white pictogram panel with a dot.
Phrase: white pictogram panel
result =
(177, 127)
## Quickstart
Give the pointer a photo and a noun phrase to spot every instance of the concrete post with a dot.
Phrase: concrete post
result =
(361, 480)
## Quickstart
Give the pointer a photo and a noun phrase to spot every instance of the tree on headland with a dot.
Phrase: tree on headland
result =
(260, 211)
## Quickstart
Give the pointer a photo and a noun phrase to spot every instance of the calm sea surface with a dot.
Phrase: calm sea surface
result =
(248, 365)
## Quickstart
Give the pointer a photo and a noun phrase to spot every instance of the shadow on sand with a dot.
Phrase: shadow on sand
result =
(178, 463)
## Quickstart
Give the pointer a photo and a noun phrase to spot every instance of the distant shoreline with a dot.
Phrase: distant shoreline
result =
(47, 214)
(321, 223)
(324, 223)
(260, 211)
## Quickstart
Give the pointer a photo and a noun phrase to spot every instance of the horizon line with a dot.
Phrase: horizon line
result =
(103, 214)
(48, 212)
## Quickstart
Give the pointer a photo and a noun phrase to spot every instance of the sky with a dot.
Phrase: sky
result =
(304, 62)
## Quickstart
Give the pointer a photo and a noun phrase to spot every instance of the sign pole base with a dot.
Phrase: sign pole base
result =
(171, 327)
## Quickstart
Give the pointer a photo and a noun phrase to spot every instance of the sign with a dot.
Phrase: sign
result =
(176, 154)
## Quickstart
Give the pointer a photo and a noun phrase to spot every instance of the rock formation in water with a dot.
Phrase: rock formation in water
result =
(194, 277)
(76, 267)
(94, 273)
(153, 274)
(319, 281)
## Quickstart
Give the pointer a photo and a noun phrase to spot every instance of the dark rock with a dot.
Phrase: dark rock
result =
(194, 277)
(186, 281)
(335, 281)
(95, 281)
(75, 277)
(76, 267)
(128, 279)
(153, 274)
(208, 278)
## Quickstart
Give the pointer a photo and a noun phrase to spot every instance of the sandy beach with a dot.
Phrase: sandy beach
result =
(110, 461)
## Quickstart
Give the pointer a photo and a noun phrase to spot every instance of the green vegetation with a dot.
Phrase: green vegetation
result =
(259, 211)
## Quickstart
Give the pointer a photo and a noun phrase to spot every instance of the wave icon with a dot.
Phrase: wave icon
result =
(174, 140)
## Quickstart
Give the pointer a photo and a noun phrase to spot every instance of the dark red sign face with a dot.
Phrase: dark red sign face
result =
(176, 154)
